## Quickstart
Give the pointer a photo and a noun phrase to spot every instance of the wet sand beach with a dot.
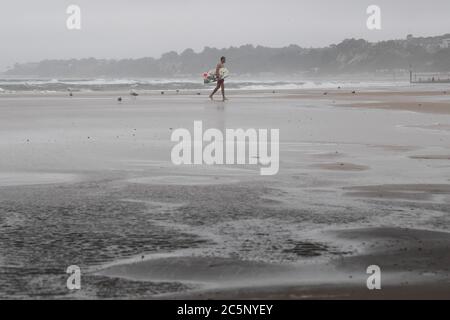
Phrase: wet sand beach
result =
(364, 180)
(415, 264)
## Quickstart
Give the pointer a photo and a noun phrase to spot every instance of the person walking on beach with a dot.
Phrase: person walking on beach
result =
(220, 82)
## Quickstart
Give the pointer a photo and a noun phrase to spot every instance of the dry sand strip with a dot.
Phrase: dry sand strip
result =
(415, 264)
(359, 94)
(416, 101)
(425, 107)
(425, 291)
(431, 157)
(399, 191)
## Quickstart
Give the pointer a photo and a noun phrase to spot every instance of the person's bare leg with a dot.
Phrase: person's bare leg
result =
(214, 92)
(223, 90)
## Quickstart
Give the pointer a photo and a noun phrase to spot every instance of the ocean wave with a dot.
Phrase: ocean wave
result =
(320, 85)
(102, 84)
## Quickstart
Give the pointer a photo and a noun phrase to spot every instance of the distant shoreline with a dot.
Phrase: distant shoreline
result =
(241, 83)
(350, 56)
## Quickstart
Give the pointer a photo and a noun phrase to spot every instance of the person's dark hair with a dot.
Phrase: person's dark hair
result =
(222, 58)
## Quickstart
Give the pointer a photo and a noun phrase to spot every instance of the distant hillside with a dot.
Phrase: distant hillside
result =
(348, 57)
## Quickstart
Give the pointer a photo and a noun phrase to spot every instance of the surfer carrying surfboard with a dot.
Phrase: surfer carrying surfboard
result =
(220, 80)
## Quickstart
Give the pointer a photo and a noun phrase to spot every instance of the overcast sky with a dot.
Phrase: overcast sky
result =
(34, 30)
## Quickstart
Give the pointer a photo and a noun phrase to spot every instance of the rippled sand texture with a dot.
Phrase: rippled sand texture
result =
(89, 181)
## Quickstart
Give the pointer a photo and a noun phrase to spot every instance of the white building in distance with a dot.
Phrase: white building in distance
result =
(445, 43)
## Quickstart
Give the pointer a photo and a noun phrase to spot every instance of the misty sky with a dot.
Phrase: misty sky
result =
(35, 30)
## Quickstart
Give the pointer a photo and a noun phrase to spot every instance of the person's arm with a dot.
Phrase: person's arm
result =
(218, 71)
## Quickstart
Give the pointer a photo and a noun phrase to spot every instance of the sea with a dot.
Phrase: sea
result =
(46, 85)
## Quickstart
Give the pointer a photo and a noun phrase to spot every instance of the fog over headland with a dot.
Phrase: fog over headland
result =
(33, 31)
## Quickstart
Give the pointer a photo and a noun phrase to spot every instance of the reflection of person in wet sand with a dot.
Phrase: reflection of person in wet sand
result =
(220, 82)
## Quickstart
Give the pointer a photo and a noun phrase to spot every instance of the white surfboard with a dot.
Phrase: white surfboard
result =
(210, 76)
